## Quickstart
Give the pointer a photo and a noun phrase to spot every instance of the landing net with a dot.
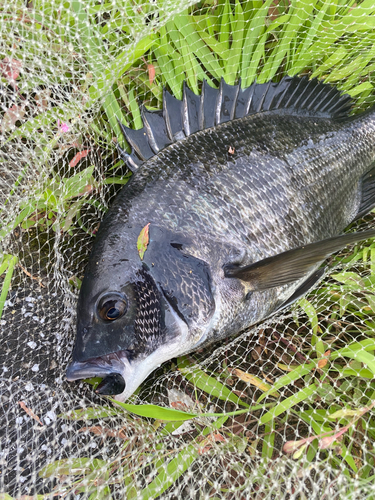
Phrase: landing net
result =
(285, 410)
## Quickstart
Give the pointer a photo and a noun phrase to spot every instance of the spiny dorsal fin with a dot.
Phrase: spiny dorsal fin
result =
(292, 265)
(179, 119)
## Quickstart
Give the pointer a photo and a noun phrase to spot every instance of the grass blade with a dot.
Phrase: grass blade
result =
(167, 474)
(290, 377)
(8, 263)
(157, 412)
(208, 384)
(288, 403)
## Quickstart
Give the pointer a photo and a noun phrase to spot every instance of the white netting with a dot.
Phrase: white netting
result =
(68, 70)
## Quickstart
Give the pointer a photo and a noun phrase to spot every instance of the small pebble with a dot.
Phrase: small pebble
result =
(51, 414)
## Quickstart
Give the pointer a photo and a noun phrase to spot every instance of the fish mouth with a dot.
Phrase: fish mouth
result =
(110, 367)
(123, 371)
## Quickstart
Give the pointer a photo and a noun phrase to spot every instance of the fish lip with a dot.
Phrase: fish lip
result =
(97, 367)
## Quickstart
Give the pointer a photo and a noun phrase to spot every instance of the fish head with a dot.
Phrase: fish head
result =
(134, 314)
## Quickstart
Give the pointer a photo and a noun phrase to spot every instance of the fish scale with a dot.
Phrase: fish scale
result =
(244, 199)
(239, 185)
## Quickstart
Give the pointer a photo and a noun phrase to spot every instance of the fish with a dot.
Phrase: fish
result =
(237, 198)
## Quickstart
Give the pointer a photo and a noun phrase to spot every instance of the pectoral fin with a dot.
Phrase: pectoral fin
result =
(292, 265)
(304, 288)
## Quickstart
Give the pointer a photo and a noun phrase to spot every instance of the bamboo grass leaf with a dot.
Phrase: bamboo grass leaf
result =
(168, 473)
(168, 72)
(268, 441)
(252, 44)
(301, 395)
(157, 412)
(186, 26)
(290, 377)
(233, 64)
(305, 54)
(299, 12)
(208, 384)
(7, 265)
(224, 31)
(189, 63)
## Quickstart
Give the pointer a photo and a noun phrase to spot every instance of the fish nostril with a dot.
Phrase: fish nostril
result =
(111, 385)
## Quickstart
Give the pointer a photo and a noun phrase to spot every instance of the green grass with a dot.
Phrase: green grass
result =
(333, 390)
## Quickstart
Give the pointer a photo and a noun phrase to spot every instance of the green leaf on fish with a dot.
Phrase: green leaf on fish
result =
(142, 241)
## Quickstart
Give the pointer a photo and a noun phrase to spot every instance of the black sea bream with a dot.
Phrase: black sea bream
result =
(238, 195)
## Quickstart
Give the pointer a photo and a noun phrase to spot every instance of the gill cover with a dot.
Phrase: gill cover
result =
(132, 307)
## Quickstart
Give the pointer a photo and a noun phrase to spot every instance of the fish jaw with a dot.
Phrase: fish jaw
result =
(134, 370)
(96, 367)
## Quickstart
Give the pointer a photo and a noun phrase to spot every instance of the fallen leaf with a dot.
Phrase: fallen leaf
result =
(253, 380)
(102, 431)
(252, 448)
(10, 69)
(208, 442)
(11, 116)
(322, 362)
(30, 412)
(42, 99)
(151, 73)
(142, 241)
(346, 412)
(87, 190)
(231, 150)
(78, 157)
(287, 368)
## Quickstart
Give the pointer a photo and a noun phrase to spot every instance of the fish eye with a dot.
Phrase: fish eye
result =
(112, 307)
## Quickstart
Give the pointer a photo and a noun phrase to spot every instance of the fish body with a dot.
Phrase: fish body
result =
(242, 206)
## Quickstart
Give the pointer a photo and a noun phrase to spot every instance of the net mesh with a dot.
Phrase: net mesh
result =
(68, 71)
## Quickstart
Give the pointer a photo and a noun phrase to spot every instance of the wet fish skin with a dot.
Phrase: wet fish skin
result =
(287, 181)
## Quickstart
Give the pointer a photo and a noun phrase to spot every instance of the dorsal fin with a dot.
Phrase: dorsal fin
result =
(292, 95)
